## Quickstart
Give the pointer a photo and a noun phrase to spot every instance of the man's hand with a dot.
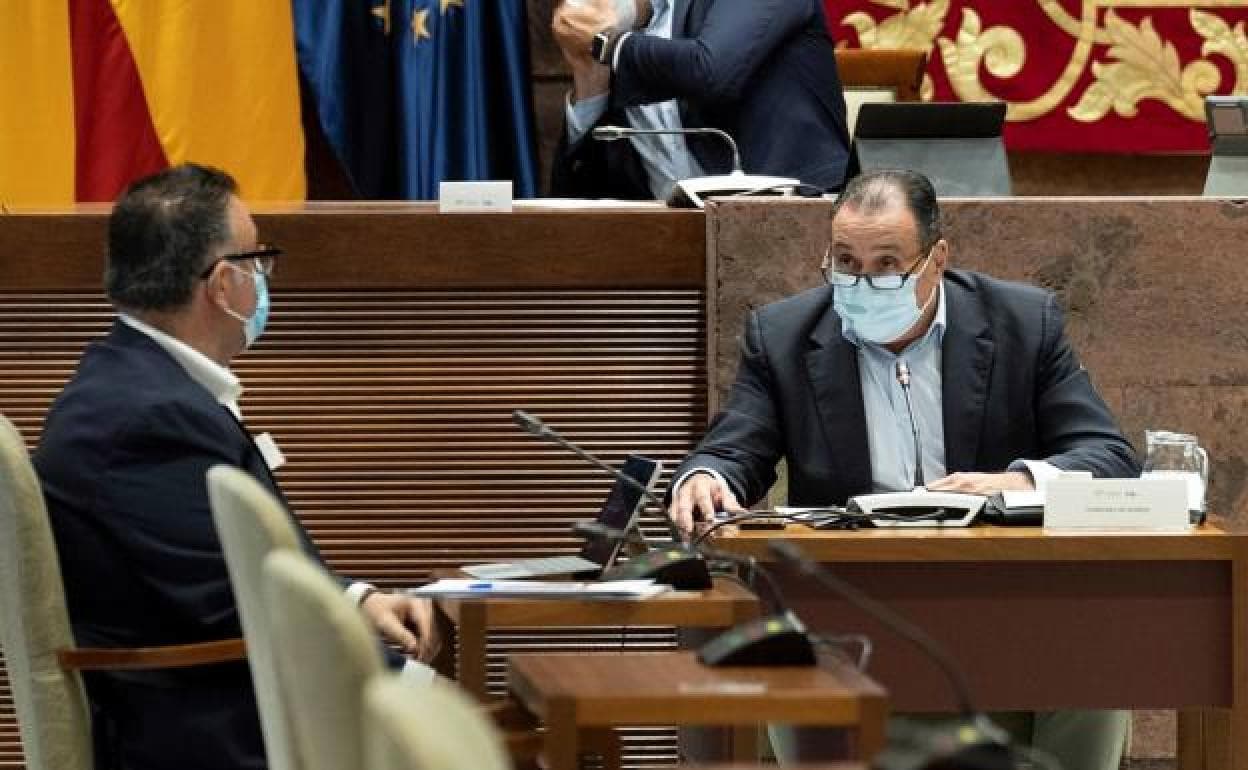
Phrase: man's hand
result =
(405, 621)
(698, 499)
(574, 26)
(982, 483)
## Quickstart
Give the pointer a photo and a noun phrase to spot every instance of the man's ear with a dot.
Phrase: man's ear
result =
(214, 284)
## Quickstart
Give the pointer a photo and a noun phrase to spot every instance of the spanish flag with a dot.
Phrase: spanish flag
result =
(97, 93)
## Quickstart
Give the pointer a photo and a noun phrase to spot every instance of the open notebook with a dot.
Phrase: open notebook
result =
(619, 511)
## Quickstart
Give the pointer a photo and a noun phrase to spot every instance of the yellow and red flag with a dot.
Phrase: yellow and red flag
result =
(97, 93)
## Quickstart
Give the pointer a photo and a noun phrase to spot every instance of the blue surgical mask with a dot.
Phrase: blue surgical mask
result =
(880, 315)
(253, 327)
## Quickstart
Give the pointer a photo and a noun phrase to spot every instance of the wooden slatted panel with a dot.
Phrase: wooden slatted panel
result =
(393, 408)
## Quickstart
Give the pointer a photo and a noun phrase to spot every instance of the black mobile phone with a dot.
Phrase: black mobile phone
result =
(770, 522)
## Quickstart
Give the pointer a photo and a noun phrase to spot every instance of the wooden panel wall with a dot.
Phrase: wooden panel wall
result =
(399, 343)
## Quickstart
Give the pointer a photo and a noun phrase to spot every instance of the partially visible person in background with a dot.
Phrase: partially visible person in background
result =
(764, 71)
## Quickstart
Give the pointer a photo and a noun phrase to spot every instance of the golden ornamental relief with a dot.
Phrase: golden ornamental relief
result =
(1144, 66)
(1221, 38)
(915, 27)
(1134, 64)
(1000, 50)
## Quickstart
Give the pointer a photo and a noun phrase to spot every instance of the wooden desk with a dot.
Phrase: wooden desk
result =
(1044, 621)
(726, 604)
(572, 692)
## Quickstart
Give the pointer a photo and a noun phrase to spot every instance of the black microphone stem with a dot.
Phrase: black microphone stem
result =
(540, 429)
(899, 625)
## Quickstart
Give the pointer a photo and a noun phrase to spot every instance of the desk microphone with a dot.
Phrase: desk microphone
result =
(918, 507)
(976, 742)
(690, 193)
(903, 378)
(677, 566)
(779, 639)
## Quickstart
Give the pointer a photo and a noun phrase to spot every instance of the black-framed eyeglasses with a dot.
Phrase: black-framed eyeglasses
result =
(879, 281)
(264, 257)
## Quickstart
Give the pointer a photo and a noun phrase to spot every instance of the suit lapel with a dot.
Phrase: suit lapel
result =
(966, 362)
(832, 365)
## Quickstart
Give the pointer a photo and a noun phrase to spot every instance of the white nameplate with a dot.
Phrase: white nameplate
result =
(269, 450)
(472, 197)
(1156, 505)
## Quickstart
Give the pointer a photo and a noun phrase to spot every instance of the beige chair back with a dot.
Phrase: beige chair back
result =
(327, 656)
(34, 624)
(252, 524)
(437, 727)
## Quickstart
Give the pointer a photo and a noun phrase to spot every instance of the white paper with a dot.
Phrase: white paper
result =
(538, 589)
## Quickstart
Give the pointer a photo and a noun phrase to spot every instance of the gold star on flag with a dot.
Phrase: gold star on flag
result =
(383, 12)
(448, 3)
(420, 26)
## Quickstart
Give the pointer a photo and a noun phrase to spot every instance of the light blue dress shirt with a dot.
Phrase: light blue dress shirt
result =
(665, 158)
(889, 436)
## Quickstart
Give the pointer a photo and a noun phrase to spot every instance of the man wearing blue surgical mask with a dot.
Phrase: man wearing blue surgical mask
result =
(122, 460)
(999, 396)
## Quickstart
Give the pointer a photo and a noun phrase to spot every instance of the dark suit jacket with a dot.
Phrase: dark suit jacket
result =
(762, 70)
(122, 462)
(1012, 389)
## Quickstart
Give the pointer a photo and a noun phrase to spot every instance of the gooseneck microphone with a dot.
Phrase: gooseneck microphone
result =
(691, 193)
(903, 378)
(974, 743)
(894, 622)
(534, 425)
(616, 133)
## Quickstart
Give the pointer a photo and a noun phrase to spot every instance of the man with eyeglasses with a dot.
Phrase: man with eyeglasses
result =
(122, 460)
(999, 396)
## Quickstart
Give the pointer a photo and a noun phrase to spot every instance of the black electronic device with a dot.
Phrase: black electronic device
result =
(688, 570)
(958, 145)
(776, 640)
(677, 567)
(620, 510)
(972, 742)
(763, 523)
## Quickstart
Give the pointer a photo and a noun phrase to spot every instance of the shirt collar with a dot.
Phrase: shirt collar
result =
(218, 380)
(935, 332)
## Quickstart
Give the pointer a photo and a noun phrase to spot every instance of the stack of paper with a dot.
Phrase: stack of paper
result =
(541, 589)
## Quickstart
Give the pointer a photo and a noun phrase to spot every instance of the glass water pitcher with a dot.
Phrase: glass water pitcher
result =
(1179, 455)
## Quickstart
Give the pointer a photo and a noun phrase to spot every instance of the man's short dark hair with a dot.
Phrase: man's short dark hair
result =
(878, 190)
(161, 233)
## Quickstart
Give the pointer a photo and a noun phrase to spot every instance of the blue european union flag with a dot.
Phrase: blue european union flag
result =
(412, 92)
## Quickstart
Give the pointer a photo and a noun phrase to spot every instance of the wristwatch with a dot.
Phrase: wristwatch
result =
(602, 47)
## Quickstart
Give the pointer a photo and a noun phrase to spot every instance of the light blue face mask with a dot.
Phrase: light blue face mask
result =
(880, 315)
(253, 327)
